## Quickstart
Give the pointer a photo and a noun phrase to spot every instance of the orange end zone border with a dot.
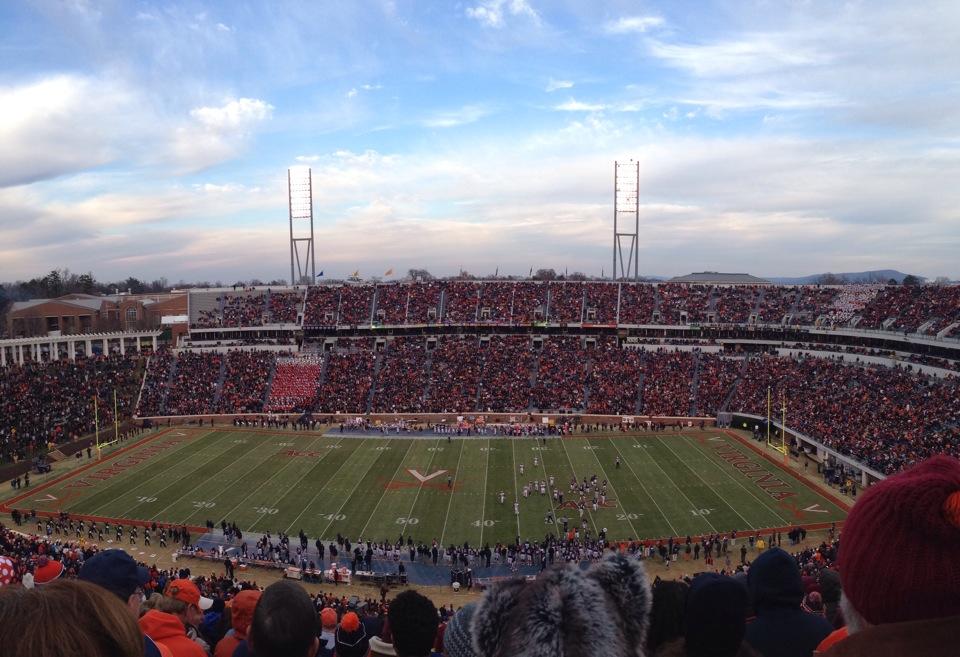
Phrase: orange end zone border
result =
(9, 505)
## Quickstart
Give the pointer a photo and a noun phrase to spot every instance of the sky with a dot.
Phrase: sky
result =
(153, 139)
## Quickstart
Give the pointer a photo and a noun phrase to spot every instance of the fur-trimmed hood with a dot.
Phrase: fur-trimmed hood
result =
(567, 612)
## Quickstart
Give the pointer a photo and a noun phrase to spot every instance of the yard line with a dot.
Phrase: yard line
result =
(450, 503)
(483, 503)
(304, 475)
(236, 478)
(227, 515)
(729, 506)
(177, 481)
(516, 491)
(317, 494)
(134, 471)
(739, 483)
(264, 483)
(613, 488)
(692, 505)
(355, 487)
(403, 527)
(546, 479)
(384, 493)
(574, 471)
(640, 481)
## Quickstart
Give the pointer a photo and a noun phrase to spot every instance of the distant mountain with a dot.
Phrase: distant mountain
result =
(875, 276)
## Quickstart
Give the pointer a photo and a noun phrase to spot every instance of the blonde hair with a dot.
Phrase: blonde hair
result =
(66, 617)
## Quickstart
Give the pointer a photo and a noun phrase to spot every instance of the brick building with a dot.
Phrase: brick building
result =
(84, 313)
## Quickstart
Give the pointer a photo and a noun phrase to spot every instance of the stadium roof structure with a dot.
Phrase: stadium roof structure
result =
(719, 278)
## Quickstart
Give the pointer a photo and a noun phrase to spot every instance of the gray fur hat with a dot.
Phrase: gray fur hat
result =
(567, 612)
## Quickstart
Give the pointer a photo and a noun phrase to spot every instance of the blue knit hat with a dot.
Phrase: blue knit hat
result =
(457, 638)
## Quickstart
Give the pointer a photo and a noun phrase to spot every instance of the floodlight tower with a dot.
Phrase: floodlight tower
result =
(300, 198)
(626, 215)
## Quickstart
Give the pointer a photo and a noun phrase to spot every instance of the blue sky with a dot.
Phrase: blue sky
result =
(152, 139)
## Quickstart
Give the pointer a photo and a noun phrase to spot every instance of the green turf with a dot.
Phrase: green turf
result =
(668, 485)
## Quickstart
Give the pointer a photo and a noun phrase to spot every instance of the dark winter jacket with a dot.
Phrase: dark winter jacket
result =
(781, 628)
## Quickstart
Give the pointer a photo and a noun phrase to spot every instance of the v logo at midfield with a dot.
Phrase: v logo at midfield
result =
(424, 478)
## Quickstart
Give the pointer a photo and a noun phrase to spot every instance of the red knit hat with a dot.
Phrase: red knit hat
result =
(898, 551)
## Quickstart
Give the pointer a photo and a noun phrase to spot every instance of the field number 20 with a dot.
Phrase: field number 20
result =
(265, 510)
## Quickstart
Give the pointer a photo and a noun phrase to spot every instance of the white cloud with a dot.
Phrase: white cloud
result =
(555, 85)
(462, 116)
(223, 28)
(629, 24)
(573, 105)
(753, 54)
(63, 124)
(352, 93)
(238, 114)
(490, 13)
(217, 133)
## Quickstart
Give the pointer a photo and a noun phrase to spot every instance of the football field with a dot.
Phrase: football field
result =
(431, 487)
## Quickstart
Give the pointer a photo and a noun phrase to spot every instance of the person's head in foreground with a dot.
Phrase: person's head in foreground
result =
(66, 618)
(899, 565)
(413, 622)
(284, 623)
(567, 612)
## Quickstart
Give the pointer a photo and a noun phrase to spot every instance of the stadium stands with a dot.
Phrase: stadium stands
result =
(294, 386)
(44, 403)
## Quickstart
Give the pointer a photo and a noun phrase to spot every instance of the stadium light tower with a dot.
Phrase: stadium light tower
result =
(300, 198)
(626, 215)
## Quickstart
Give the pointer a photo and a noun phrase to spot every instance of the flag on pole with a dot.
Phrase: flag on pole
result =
(531, 273)
(320, 274)
(355, 274)
(389, 272)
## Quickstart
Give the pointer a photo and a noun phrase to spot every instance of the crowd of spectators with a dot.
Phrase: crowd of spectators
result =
(667, 381)
(284, 307)
(529, 302)
(637, 302)
(910, 306)
(615, 378)
(424, 303)
(496, 302)
(600, 303)
(243, 309)
(391, 304)
(462, 299)
(776, 303)
(850, 301)
(193, 389)
(294, 386)
(347, 382)
(245, 384)
(885, 417)
(676, 298)
(455, 374)
(735, 304)
(566, 303)
(153, 396)
(356, 304)
(52, 402)
(561, 375)
(715, 381)
(505, 377)
(402, 378)
(322, 305)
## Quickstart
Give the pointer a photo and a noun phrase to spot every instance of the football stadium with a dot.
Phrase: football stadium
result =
(532, 462)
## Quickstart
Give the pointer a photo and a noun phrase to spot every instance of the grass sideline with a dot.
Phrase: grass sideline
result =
(669, 484)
